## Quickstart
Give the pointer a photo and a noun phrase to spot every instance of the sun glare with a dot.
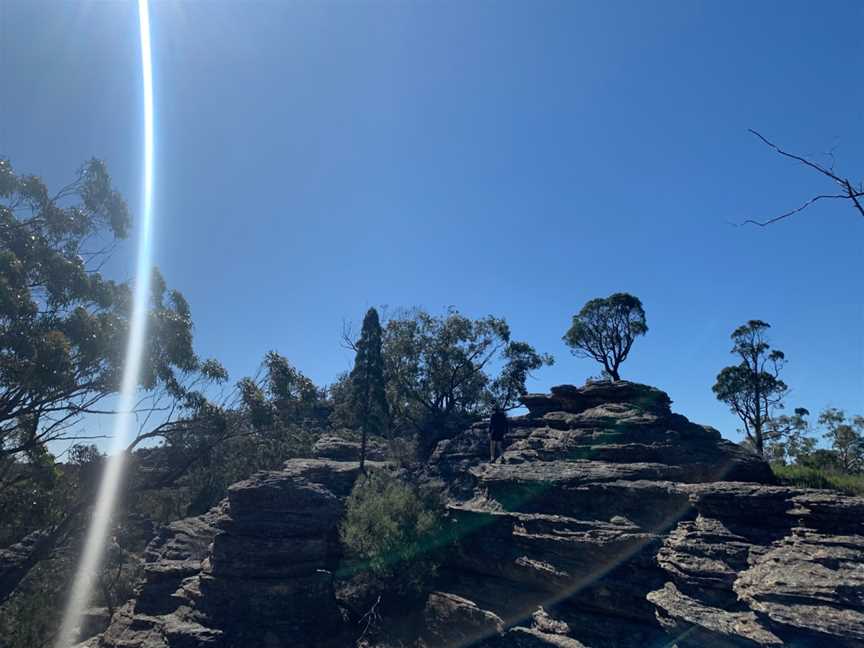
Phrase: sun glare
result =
(94, 546)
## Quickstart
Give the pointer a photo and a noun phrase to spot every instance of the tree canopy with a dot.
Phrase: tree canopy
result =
(63, 331)
(752, 389)
(444, 371)
(63, 326)
(605, 329)
(787, 438)
(847, 438)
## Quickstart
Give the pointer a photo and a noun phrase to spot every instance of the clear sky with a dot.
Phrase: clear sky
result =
(512, 158)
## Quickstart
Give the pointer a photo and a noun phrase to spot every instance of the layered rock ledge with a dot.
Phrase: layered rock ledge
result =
(628, 525)
(254, 571)
(608, 521)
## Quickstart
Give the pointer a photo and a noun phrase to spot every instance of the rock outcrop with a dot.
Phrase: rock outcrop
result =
(254, 571)
(609, 521)
(331, 446)
(765, 566)
(628, 525)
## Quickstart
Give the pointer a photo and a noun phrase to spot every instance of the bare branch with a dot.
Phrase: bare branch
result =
(750, 221)
(800, 159)
(849, 191)
(349, 339)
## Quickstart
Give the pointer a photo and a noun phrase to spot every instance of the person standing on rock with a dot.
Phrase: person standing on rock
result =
(499, 425)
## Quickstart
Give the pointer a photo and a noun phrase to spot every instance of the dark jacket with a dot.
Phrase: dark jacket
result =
(499, 425)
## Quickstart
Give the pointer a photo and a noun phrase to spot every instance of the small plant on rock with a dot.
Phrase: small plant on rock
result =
(391, 531)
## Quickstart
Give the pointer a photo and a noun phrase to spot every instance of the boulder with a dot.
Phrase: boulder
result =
(572, 399)
(336, 448)
(452, 621)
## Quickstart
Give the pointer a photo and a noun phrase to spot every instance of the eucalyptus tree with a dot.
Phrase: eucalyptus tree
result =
(445, 371)
(847, 438)
(63, 332)
(752, 388)
(605, 329)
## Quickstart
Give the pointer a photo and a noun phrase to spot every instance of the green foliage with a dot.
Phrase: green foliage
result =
(245, 452)
(63, 332)
(752, 389)
(283, 396)
(31, 616)
(846, 437)
(605, 329)
(821, 459)
(392, 530)
(367, 402)
(280, 415)
(445, 371)
(811, 477)
(788, 438)
(63, 326)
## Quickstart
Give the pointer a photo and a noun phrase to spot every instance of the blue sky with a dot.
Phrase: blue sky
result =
(512, 158)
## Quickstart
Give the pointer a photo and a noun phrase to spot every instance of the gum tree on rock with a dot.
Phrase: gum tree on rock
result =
(605, 329)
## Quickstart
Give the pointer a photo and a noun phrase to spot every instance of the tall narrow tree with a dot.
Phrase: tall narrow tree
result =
(752, 389)
(368, 399)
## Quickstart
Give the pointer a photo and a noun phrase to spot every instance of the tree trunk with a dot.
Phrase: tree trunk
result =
(757, 419)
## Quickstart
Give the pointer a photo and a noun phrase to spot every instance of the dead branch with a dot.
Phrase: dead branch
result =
(848, 190)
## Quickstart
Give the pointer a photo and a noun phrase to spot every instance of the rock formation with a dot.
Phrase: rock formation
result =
(608, 521)
(254, 571)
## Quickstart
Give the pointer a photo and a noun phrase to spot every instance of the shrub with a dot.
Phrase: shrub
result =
(810, 477)
(392, 531)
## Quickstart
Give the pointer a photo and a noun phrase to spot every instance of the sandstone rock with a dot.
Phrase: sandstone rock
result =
(336, 448)
(609, 522)
(569, 398)
(452, 621)
(251, 572)
(745, 570)
(17, 559)
(541, 620)
(521, 637)
(621, 513)
(93, 621)
(809, 585)
(696, 624)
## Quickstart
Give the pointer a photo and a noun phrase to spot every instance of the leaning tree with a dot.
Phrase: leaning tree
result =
(752, 389)
(63, 332)
(605, 329)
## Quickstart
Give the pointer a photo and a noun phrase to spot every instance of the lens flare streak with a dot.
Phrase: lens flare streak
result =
(97, 535)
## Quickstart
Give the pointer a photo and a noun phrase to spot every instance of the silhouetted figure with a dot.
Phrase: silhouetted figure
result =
(499, 425)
